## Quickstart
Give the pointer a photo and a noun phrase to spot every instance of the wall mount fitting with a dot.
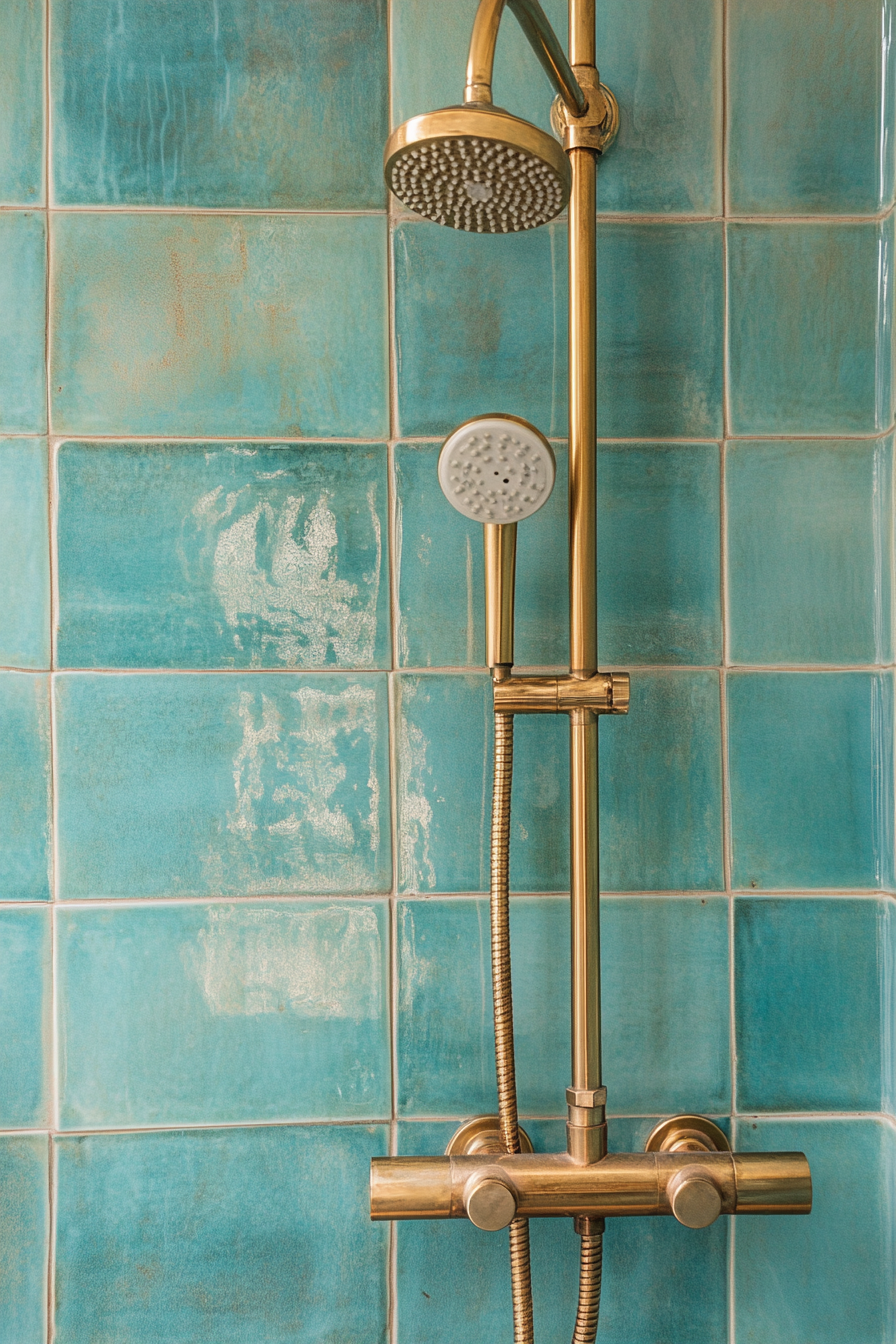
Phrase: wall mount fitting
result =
(687, 1134)
(482, 1135)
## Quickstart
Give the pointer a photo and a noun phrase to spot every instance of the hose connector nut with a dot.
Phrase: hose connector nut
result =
(489, 1202)
(588, 1097)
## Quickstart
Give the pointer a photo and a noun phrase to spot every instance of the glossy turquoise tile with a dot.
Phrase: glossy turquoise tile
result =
(443, 783)
(829, 1277)
(480, 326)
(811, 107)
(254, 104)
(223, 325)
(664, 970)
(811, 1022)
(659, 328)
(25, 990)
(220, 1234)
(222, 785)
(663, 61)
(810, 345)
(811, 771)
(660, 325)
(452, 1279)
(810, 534)
(661, 821)
(270, 1012)
(659, 563)
(666, 158)
(659, 590)
(24, 1234)
(210, 555)
(661, 786)
(25, 846)
(21, 102)
(23, 299)
(24, 554)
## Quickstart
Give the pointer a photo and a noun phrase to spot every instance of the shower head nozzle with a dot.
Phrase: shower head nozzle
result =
(477, 168)
(496, 469)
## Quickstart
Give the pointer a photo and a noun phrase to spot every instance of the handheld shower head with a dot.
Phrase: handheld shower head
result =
(496, 469)
(477, 168)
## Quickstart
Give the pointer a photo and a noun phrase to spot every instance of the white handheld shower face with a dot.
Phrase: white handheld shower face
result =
(496, 469)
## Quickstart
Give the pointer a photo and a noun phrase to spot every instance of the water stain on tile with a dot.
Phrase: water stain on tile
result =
(312, 963)
(249, 556)
(222, 785)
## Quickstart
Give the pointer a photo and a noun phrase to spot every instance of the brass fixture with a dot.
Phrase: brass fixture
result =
(476, 167)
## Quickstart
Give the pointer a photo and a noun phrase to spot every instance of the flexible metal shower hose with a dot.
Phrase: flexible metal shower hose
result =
(520, 1273)
(591, 1232)
(590, 1229)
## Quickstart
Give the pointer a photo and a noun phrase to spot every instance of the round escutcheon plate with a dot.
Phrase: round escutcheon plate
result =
(687, 1134)
(482, 1135)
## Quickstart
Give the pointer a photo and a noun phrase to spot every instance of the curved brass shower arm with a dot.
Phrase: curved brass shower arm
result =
(543, 41)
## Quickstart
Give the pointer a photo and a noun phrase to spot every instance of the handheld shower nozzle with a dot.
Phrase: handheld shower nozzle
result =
(496, 469)
(477, 168)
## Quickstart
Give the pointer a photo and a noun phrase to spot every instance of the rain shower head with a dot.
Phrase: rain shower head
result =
(496, 469)
(478, 168)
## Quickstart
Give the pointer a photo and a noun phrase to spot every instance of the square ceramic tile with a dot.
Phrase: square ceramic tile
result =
(811, 766)
(480, 326)
(659, 331)
(663, 61)
(659, 595)
(23, 319)
(270, 1012)
(219, 325)
(659, 958)
(24, 1236)
(659, 328)
(24, 554)
(226, 1235)
(661, 822)
(21, 102)
(453, 1285)
(444, 780)
(661, 786)
(810, 346)
(210, 555)
(811, 107)
(253, 104)
(659, 589)
(810, 538)
(811, 997)
(25, 806)
(828, 1277)
(222, 785)
(25, 990)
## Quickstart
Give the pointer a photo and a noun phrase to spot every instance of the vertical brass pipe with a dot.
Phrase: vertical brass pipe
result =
(586, 1130)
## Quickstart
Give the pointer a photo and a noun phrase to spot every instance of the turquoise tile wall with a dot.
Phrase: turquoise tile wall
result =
(244, 721)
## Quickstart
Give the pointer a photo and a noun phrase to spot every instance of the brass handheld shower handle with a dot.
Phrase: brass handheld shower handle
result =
(500, 576)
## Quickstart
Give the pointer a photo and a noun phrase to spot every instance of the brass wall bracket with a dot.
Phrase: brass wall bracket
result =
(598, 127)
(604, 693)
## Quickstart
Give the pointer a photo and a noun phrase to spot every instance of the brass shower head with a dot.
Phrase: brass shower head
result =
(478, 168)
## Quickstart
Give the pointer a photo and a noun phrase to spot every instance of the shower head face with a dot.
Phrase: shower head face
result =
(497, 469)
(477, 168)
